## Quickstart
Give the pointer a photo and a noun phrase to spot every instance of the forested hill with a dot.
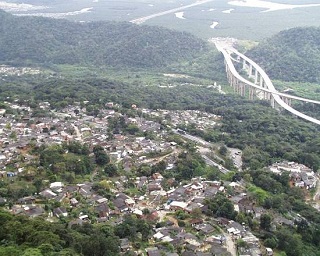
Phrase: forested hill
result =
(44, 40)
(291, 55)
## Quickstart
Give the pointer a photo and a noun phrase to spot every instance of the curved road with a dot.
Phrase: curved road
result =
(270, 88)
(268, 81)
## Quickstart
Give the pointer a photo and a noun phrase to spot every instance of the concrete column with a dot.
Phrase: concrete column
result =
(243, 90)
(250, 70)
(229, 77)
(256, 76)
(234, 85)
(272, 102)
(251, 93)
(244, 64)
(261, 82)
(240, 89)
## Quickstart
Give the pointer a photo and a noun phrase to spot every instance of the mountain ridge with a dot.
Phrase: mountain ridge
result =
(291, 55)
(118, 44)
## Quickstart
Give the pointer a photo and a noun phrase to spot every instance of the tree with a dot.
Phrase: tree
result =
(101, 156)
(271, 242)
(32, 252)
(38, 184)
(132, 129)
(159, 167)
(46, 249)
(99, 245)
(220, 206)
(78, 164)
(265, 221)
(111, 170)
(223, 150)
(290, 243)
(44, 237)
(51, 155)
(10, 250)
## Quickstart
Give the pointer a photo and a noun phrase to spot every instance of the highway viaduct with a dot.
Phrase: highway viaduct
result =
(261, 87)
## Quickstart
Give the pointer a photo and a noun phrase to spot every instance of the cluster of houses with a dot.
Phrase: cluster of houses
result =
(80, 203)
(189, 198)
(72, 123)
(201, 120)
(17, 71)
(301, 175)
(17, 131)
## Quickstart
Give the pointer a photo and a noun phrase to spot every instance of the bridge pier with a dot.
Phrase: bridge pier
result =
(228, 74)
(268, 96)
(251, 93)
(244, 64)
(256, 76)
(261, 82)
(286, 100)
(233, 81)
(242, 89)
(250, 70)
(272, 102)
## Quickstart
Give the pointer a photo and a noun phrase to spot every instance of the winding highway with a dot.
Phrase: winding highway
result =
(268, 87)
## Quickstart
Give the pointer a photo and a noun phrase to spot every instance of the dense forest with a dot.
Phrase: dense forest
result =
(291, 55)
(50, 41)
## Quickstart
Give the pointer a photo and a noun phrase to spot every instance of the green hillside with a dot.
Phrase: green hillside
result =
(51, 41)
(291, 55)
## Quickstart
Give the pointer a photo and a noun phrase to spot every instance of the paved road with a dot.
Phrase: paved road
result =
(144, 19)
(212, 163)
(78, 133)
(193, 138)
(205, 144)
(231, 246)
(236, 156)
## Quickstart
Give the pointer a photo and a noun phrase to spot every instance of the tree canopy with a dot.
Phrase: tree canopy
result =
(52, 41)
(291, 55)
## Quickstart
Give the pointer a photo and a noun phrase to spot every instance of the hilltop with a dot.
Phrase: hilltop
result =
(118, 44)
(291, 55)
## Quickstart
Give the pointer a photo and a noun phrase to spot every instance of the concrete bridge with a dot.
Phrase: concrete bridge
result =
(261, 86)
